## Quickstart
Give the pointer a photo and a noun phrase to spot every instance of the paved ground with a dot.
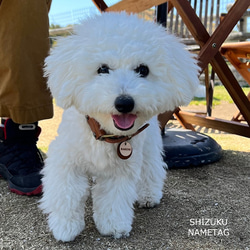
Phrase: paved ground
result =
(202, 208)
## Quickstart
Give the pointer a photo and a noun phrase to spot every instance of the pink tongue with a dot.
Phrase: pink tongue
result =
(124, 121)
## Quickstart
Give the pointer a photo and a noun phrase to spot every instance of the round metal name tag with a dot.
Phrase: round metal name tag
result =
(124, 150)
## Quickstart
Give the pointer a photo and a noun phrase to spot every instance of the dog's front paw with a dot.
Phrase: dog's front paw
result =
(108, 227)
(116, 234)
(148, 202)
(65, 229)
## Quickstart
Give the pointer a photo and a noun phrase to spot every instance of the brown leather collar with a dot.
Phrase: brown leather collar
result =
(101, 135)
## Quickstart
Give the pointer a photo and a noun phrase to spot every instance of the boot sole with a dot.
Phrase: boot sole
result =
(17, 189)
(25, 191)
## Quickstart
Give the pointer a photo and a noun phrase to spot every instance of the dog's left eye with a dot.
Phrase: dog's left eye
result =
(142, 70)
(104, 69)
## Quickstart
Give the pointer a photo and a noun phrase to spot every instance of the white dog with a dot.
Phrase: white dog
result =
(112, 76)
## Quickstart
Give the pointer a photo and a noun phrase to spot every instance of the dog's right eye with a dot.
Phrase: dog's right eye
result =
(104, 69)
(142, 70)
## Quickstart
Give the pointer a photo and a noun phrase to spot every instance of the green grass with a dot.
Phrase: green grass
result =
(220, 94)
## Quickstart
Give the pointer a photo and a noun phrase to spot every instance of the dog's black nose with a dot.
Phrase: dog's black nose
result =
(124, 103)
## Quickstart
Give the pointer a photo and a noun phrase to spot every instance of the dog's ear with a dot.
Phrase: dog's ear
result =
(58, 70)
(186, 74)
(180, 70)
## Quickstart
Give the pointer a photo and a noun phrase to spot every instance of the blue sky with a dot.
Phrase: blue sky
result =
(65, 12)
(60, 6)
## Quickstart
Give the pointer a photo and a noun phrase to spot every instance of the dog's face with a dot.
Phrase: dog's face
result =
(121, 70)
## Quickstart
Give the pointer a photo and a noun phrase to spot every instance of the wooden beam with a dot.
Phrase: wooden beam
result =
(134, 6)
(164, 118)
(100, 5)
(234, 51)
(244, 46)
(242, 68)
(215, 123)
(184, 123)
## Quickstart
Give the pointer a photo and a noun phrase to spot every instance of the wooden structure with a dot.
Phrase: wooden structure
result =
(238, 54)
(209, 52)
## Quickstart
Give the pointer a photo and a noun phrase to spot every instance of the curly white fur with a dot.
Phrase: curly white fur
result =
(122, 42)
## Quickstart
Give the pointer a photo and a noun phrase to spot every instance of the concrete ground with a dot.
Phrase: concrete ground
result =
(206, 207)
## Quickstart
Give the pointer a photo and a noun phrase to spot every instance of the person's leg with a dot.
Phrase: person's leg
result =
(24, 97)
(24, 44)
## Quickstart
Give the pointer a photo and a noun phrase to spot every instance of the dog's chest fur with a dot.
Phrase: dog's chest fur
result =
(98, 155)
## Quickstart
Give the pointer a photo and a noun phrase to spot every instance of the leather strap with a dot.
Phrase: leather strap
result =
(101, 135)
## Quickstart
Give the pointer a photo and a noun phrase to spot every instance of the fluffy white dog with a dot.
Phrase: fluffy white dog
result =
(112, 76)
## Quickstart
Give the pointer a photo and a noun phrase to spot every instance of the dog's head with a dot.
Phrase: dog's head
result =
(121, 70)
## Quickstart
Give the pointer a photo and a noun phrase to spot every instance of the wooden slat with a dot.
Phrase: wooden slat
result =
(237, 52)
(100, 4)
(164, 118)
(242, 68)
(211, 17)
(184, 123)
(217, 21)
(215, 123)
(239, 45)
(234, 51)
(134, 6)
(170, 6)
(206, 12)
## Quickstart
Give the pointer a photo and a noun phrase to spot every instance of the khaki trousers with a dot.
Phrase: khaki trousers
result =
(24, 44)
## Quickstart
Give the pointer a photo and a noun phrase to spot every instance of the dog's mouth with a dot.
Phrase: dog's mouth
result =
(124, 121)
